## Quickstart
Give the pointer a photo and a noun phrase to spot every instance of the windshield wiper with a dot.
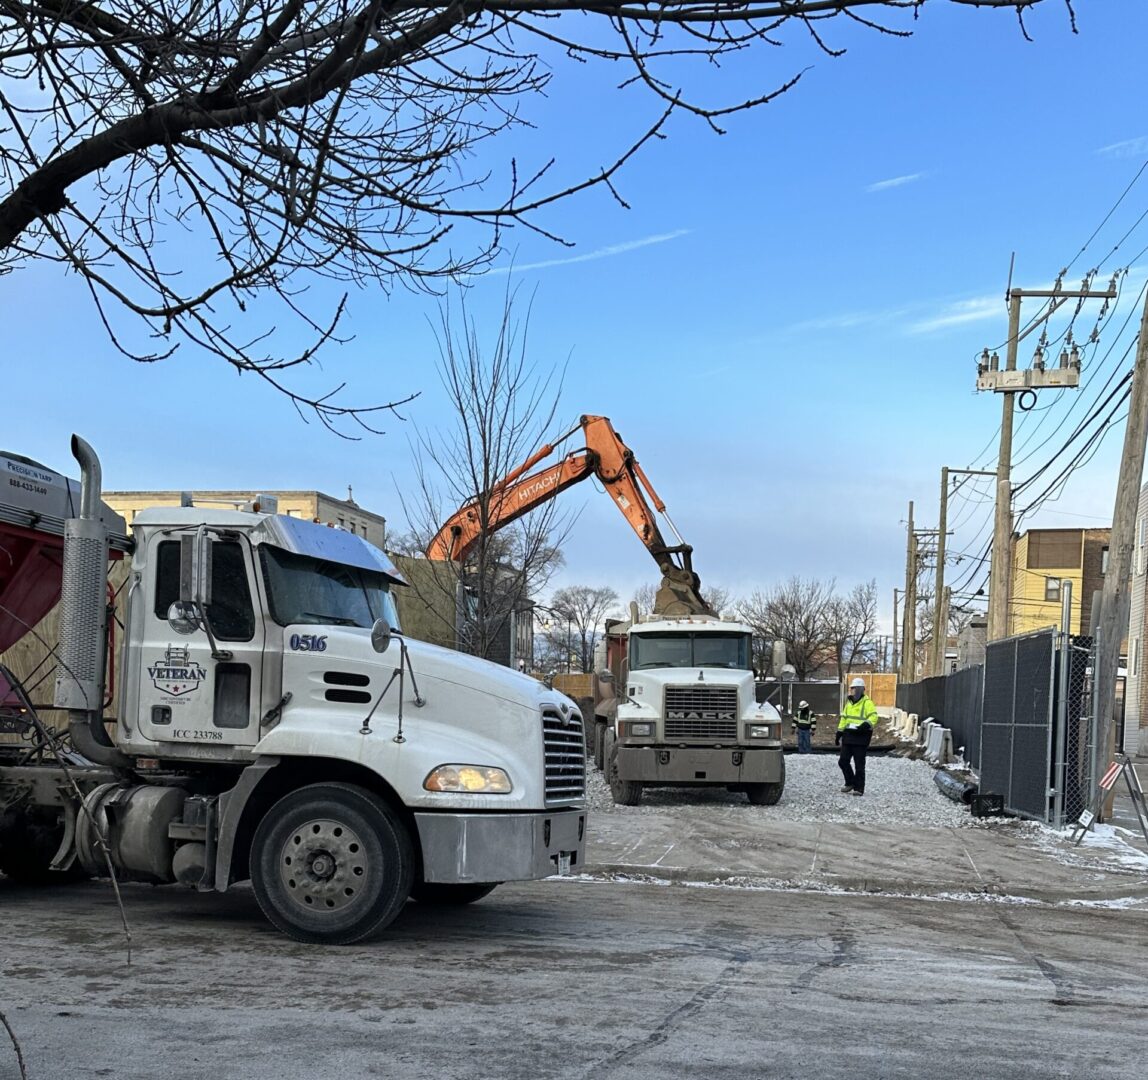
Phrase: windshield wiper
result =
(337, 620)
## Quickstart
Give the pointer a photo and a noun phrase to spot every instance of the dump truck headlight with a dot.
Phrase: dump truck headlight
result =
(471, 779)
(761, 731)
(640, 731)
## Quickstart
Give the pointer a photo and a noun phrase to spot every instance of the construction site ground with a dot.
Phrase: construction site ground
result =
(702, 939)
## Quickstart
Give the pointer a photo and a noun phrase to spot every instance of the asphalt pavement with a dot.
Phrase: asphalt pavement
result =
(707, 945)
(585, 980)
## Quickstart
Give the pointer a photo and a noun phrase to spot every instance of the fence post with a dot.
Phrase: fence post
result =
(1059, 765)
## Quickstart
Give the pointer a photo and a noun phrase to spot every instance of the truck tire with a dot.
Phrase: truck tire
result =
(599, 744)
(624, 792)
(767, 794)
(437, 894)
(27, 850)
(331, 864)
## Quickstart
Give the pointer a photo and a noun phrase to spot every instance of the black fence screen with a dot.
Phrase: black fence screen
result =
(925, 698)
(823, 697)
(1024, 721)
(964, 696)
(1016, 722)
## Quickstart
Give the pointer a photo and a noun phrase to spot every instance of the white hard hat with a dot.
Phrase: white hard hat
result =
(858, 682)
(803, 704)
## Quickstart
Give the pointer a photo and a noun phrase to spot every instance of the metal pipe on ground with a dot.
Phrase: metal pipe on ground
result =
(958, 790)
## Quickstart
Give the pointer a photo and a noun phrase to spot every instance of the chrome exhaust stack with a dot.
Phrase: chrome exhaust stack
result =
(84, 618)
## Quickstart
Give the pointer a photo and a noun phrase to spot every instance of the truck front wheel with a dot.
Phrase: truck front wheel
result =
(624, 792)
(331, 864)
(767, 794)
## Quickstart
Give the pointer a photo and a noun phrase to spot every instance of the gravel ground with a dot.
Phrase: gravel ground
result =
(898, 791)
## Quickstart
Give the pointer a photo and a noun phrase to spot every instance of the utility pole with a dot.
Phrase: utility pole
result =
(1010, 382)
(1115, 600)
(941, 625)
(896, 665)
(908, 631)
(946, 600)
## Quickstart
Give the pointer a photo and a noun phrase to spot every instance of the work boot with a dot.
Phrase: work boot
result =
(846, 790)
(856, 792)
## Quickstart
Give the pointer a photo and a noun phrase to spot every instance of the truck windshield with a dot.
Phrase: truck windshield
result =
(689, 650)
(303, 589)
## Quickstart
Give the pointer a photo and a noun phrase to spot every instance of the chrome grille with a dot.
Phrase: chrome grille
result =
(565, 750)
(701, 712)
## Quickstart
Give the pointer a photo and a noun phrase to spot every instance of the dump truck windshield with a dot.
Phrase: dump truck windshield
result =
(689, 650)
(303, 589)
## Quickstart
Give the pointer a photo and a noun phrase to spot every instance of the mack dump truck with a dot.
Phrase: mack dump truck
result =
(674, 697)
(674, 706)
(272, 724)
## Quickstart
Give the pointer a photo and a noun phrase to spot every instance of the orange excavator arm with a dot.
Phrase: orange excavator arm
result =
(608, 458)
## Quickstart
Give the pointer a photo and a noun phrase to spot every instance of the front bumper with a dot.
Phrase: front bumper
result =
(697, 765)
(463, 848)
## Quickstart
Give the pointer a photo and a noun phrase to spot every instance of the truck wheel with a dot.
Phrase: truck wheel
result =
(624, 792)
(331, 864)
(436, 894)
(599, 744)
(27, 850)
(767, 794)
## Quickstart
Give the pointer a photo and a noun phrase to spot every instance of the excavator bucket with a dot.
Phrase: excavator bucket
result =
(679, 594)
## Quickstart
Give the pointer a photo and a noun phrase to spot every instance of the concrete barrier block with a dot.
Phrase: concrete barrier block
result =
(945, 750)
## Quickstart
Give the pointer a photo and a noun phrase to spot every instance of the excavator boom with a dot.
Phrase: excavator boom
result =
(607, 458)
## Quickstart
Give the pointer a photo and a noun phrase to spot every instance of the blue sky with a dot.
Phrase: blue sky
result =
(783, 325)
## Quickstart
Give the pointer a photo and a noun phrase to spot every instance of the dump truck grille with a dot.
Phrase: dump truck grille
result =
(707, 713)
(565, 749)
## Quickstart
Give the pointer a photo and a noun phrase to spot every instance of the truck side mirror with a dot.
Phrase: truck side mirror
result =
(381, 633)
(195, 568)
(181, 618)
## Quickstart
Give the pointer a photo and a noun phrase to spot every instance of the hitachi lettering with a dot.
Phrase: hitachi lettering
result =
(543, 483)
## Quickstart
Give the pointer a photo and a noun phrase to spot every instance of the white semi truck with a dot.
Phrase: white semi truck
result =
(675, 706)
(272, 723)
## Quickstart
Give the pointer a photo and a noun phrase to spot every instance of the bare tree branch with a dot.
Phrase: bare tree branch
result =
(202, 166)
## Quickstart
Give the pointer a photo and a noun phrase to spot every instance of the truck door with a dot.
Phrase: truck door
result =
(186, 693)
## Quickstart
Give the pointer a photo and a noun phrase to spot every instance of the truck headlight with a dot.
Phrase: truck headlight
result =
(471, 779)
(761, 731)
(640, 731)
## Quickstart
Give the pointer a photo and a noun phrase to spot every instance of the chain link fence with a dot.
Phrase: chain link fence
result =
(1076, 730)
(1024, 721)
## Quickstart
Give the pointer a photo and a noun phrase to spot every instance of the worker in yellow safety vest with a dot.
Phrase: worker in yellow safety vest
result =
(854, 733)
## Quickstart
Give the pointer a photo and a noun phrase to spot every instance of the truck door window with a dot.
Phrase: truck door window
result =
(231, 612)
(303, 589)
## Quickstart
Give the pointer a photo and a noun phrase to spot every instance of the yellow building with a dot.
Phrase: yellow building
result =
(309, 505)
(1041, 560)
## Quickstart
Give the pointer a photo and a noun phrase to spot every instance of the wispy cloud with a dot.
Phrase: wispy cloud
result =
(895, 181)
(848, 320)
(1127, 148)
(607, 252)
(957, 314)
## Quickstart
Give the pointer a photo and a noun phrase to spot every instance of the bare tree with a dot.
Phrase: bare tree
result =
(579, 611)
(717, 597)
(644, 597)
(850, 623)
(503, 406)
(197, 164)
(793, 613)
